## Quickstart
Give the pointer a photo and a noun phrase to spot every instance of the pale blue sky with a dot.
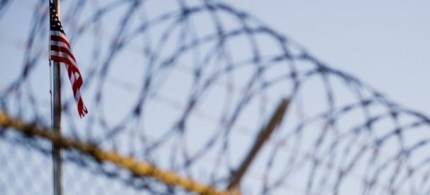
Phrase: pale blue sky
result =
(384, 43)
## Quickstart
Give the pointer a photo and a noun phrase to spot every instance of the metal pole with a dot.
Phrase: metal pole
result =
(56, 121)
(265, 133)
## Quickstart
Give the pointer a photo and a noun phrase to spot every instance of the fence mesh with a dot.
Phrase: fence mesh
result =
(186, 86)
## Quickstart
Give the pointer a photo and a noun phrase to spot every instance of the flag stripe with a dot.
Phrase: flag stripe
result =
(59, 44)
(64, 52)
(59, 37)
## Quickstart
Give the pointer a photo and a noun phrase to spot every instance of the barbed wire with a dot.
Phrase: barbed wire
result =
(187, 85)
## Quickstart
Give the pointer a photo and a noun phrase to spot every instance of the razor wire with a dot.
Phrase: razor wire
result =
(187, 85)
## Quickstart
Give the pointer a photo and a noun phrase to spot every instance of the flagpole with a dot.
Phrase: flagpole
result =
(56, 121)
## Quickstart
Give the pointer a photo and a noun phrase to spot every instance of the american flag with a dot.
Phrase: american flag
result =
(61, 52)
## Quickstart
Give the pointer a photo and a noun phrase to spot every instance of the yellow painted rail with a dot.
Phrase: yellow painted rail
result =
(141, 168)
